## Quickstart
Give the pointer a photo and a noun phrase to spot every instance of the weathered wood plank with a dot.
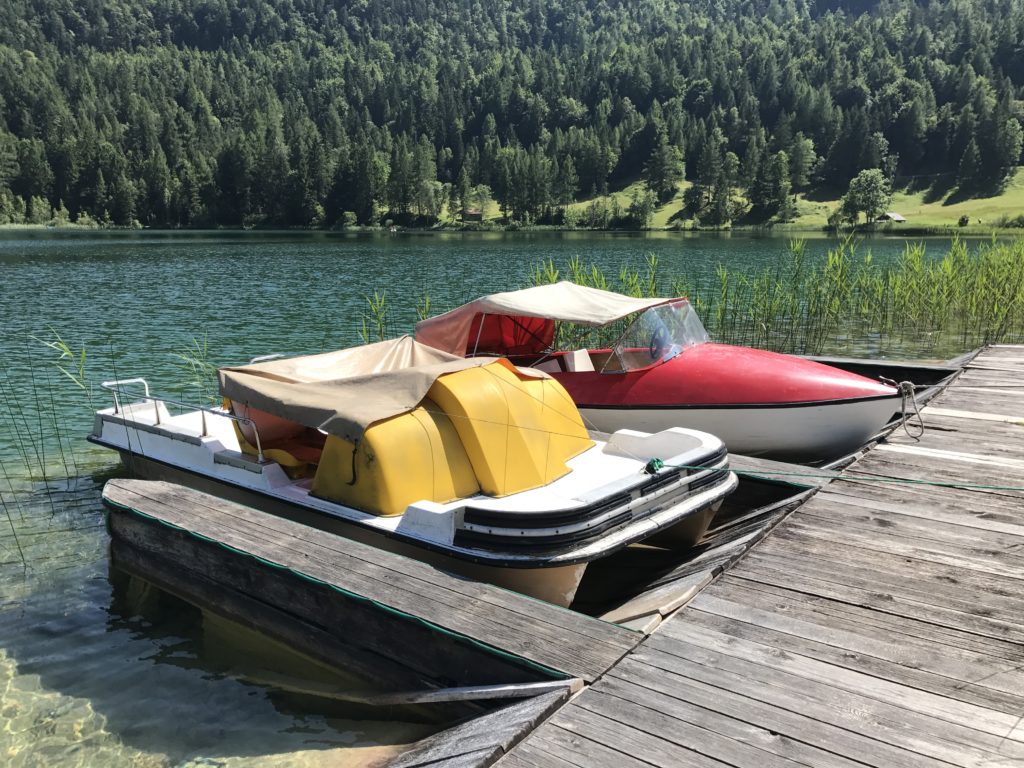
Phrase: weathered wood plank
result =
(881, 601)
(951, 416)
(923, 555)
(416, 606)
(663, 600)
(879, 622)
(316, 642)
(976, 546)
(931, 712)
(618, 703)
(932, 670)
(611, 733)
(179, 506)
(897, 639)
(584, 752)
(178, 558)
(372, 577)
(997, 518)
(652, 688)
(484, 738)
(788, 710)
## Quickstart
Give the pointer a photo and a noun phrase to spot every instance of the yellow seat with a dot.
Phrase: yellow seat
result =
(408, 458)
(518, 431)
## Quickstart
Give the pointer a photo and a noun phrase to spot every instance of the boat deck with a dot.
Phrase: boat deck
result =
(880, 624)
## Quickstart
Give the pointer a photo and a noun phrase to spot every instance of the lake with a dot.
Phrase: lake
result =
(92, 673)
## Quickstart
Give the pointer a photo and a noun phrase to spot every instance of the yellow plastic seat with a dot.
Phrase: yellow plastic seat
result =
(408, 458)
(518, 431)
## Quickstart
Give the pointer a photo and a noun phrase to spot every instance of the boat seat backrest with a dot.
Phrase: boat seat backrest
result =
(578, 360)
(272, 429)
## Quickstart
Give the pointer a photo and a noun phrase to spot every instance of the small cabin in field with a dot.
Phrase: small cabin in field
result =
(891, 216)
(472, 214)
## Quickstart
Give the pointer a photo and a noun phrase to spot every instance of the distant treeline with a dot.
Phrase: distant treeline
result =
(327, 112)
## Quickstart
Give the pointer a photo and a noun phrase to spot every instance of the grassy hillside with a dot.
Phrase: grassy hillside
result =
(921, 211)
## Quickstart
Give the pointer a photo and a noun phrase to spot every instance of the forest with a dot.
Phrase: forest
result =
(324, 113)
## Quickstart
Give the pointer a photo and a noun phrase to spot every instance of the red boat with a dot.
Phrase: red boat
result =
(663, 371)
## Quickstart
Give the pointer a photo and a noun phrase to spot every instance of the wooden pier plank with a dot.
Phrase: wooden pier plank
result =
(880, 624)
(940, 673)
(481, 740)
(179, 507)
(576, 645)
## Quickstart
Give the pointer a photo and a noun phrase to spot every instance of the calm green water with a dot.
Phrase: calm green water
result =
(87, 679)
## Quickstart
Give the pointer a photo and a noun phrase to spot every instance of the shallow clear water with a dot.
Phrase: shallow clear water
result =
(85, 677)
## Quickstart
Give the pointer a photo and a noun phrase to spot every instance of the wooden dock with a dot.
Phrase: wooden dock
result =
(880, 624)
(419, 634)
(218, 552)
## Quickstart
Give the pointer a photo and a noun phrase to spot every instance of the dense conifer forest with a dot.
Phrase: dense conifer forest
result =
(336, 112)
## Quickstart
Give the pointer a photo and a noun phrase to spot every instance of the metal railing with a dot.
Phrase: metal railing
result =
(115, 387)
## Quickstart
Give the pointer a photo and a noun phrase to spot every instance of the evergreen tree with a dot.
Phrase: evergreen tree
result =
(642, 204)
(969, 172)
(801, 161)
(664, 168)
(462, 191)
(198, 113)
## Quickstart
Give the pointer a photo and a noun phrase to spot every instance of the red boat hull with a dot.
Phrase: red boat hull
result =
(760, 403)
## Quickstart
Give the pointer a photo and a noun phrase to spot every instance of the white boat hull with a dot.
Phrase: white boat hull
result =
(796, 433)
(171, 449)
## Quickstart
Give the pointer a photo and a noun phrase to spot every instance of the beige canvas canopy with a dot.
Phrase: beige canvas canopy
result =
(459, 331)
(343, 392)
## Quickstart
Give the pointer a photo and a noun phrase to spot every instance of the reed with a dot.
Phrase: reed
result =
(200, 369)
(376, 321)
(845, 302)
(33, 432)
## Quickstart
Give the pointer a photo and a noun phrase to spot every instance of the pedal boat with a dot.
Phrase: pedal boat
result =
(663, 371)
(473, 465)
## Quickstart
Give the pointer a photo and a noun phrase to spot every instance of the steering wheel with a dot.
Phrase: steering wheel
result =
(659, 340)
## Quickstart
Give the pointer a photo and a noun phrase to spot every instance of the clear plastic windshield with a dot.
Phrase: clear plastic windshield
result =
(657, 335)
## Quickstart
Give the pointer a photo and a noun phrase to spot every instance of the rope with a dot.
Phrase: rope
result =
(907, 392)
(660, 464)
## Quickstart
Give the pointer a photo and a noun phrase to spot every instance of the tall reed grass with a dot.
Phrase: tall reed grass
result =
(36, 452)
(921, 304)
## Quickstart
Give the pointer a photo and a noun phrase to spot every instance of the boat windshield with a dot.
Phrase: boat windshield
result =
(658, 334)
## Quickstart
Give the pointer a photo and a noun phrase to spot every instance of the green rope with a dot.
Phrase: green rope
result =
(659, 463)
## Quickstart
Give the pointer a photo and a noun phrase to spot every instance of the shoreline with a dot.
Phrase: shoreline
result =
(780, 230)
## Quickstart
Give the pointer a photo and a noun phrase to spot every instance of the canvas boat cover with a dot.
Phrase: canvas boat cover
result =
(523, 322)
(343, 392)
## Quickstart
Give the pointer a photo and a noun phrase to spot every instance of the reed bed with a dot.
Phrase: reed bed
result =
(844, 303)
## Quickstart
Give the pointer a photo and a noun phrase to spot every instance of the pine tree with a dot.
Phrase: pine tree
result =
(664, 169)
(968, 176)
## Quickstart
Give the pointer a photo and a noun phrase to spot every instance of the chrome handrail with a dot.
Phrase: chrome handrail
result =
(114, 387)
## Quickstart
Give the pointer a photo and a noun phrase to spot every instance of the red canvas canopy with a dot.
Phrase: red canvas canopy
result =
(510, 335)
(523, 322)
